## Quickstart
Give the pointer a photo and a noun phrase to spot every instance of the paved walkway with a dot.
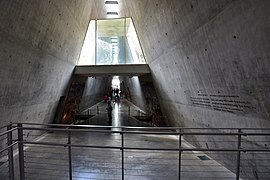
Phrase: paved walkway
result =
(123, 113)
(52, 162)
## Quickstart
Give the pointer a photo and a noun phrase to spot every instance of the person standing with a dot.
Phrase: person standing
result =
(109, 109)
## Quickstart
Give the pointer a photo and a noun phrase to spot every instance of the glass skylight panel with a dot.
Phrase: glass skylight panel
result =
(113, 41)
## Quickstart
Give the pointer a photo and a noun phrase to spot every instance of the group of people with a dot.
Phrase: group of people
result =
(114, 96)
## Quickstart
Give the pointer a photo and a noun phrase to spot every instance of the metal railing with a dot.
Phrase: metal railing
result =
(45, 151)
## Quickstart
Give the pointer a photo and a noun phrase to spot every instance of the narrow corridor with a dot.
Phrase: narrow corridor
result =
(123, 115)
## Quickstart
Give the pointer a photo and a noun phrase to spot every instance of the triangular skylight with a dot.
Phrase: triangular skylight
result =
(112, 41)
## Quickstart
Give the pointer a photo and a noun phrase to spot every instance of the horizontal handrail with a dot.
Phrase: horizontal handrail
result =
(9, 146)
(137, 148)
(4, 126)
(8, 131)
(242, 141)
(139, 132)
(140, 128)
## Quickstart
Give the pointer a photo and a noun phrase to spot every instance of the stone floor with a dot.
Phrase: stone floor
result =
(52, 162)
(122, 115)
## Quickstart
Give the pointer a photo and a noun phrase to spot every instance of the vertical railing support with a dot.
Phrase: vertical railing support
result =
(129, 110)
(21, 151)
(238, 155)
(123, 157)
(97, 110)
(69, 156)
(10, 153)
(180, 154)
(88, 116)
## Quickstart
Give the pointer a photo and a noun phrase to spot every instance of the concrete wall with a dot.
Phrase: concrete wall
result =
(210, 62)
(40, 42)
(141, 92)
(94, 91)
(132, 89)
(209, 59)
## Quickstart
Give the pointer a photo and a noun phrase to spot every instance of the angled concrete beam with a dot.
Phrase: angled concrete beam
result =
(113, 70)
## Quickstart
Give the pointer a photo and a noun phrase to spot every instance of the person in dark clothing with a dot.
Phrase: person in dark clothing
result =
(109, 109)
(116, 91)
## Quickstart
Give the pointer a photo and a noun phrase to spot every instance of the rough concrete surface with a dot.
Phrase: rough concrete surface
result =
(209, 59)
(40, 42)
(94, 91)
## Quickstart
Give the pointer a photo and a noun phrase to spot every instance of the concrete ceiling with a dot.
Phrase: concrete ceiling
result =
(100, 10)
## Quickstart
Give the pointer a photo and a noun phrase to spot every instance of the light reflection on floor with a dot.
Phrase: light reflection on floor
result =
(96, 163)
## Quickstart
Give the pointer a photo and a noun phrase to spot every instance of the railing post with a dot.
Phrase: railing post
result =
(122, 149)
(69, 156)
(180, 154)
(129, 110)
(21, 152)
(238, 155)
(97, 110)
(88, 116)
(10, 153)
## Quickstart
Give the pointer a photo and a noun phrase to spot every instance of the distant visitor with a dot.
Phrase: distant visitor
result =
(109, 109)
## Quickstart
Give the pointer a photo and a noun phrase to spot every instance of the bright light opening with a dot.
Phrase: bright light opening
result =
(116, 82)
(112, 8)
(111, 41)
(87, 56)
(111, 2)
